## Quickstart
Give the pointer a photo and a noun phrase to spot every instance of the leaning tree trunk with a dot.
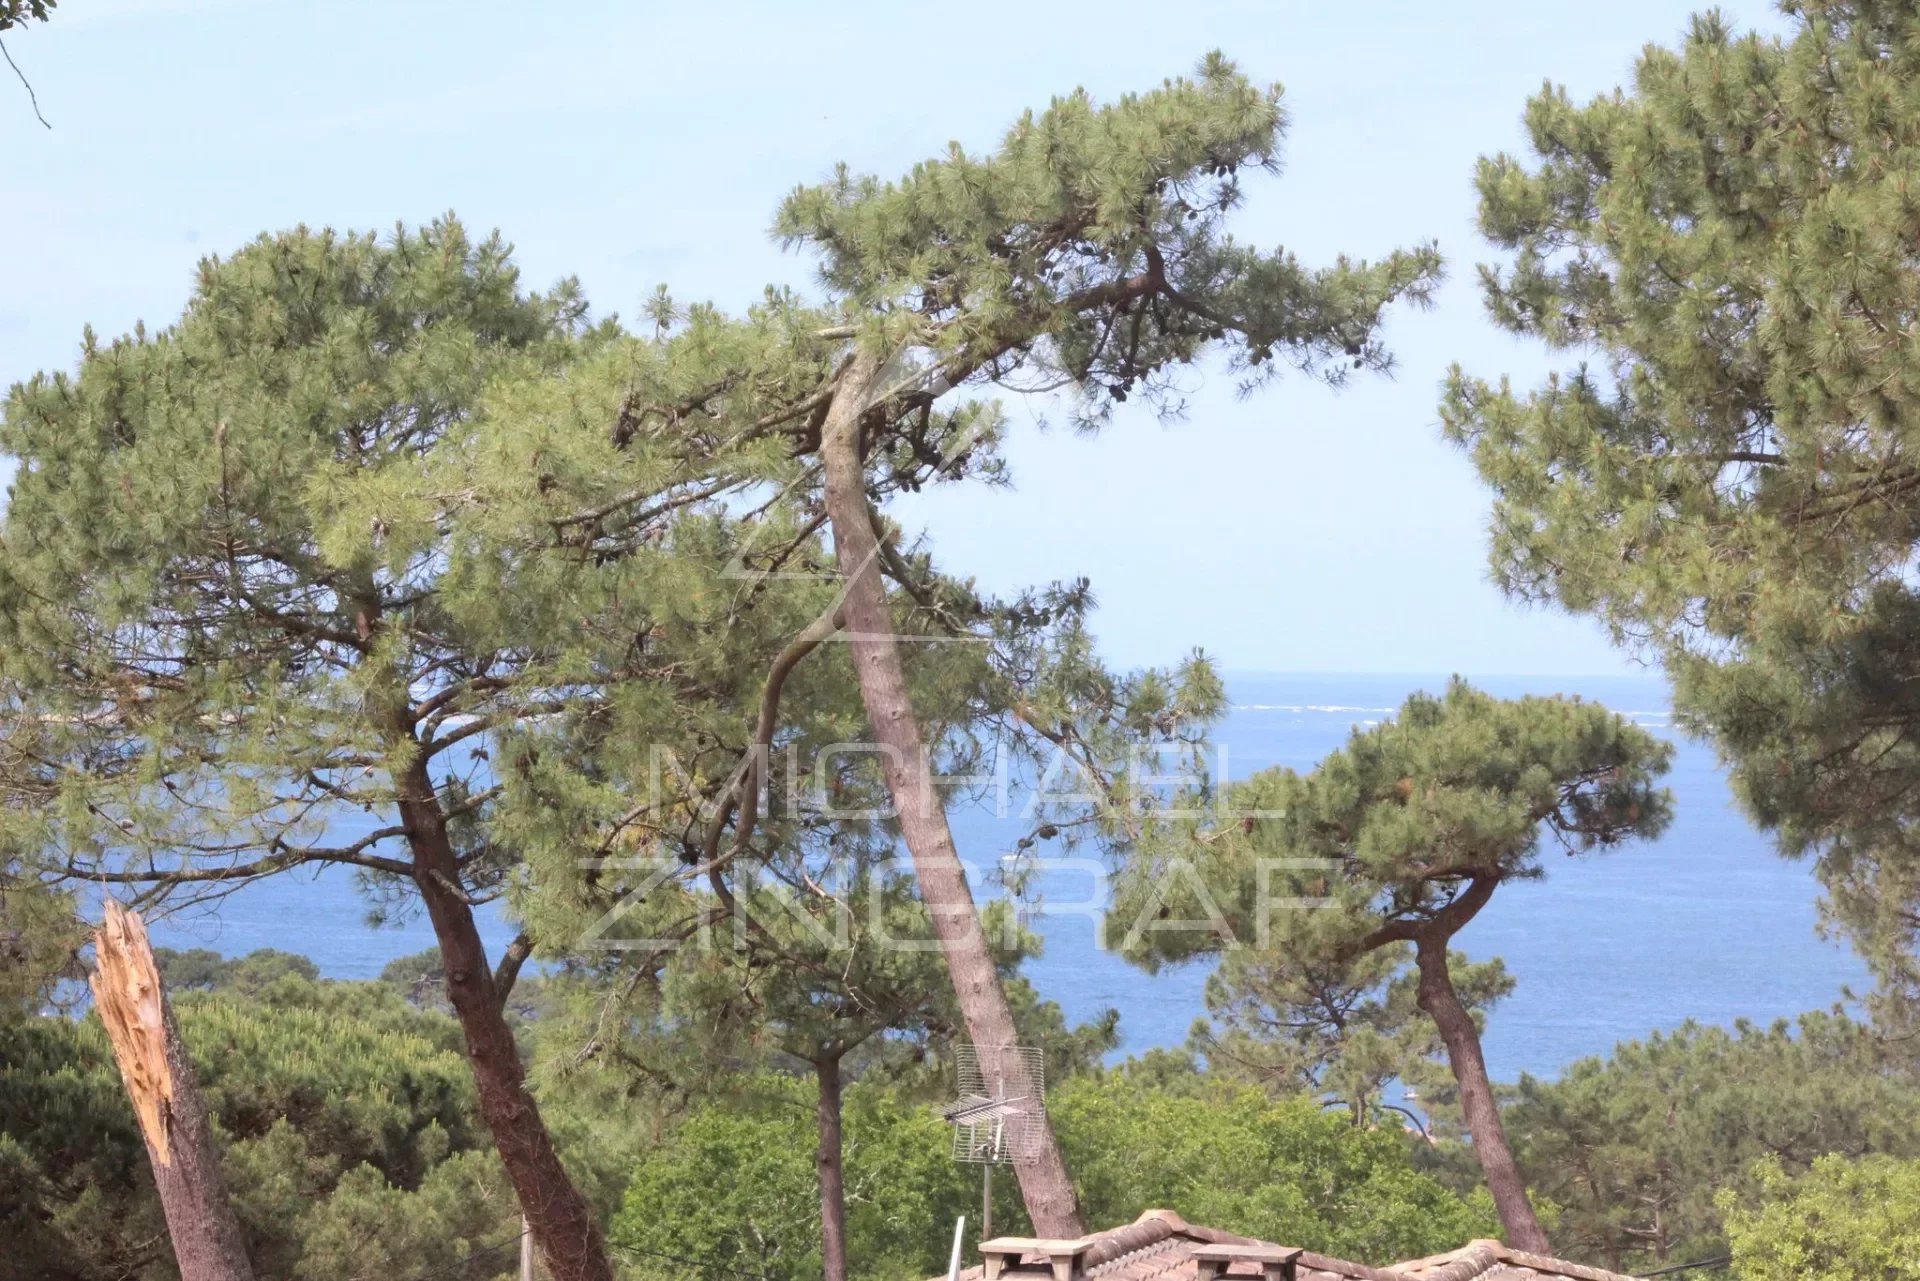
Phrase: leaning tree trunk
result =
(1462, 1038)
(1044, 1183)
(833, 1179)
(563, 1222)
(133, 1004)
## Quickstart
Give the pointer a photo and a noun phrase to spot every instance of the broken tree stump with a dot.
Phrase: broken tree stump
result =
(132, 1001)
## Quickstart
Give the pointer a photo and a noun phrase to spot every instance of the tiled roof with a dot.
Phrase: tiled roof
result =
(1159, 1247)
(1492, 1261)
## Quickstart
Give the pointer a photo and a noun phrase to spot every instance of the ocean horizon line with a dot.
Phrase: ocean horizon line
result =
(1645, 677)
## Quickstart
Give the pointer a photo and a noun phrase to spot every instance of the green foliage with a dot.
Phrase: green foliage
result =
(814, 979)
(14, 13)
(40, 932)
(1729, 483)
(239, 520)
(346, 1119)
(203, 969)
(973, 269)
(420, 977)
(1388, 834)
(1344, 1030)
(73, 1184)
(1842, 1221)
(1281, 1169)
(734, 1186)
(1393, 845)
(1640, 1148)
(1036, 250)
(461, 1220)
(819, 977)
(1068, 1050)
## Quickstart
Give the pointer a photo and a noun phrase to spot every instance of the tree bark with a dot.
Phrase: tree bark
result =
(1462, 1039)
(563, 1222)
(207, 1245)
(1044, 1183)
(833, 1181)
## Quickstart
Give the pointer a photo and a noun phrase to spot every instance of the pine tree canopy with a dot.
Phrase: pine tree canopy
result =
(1092, 250)
(1729, 482)
(1400, 830)
(227, 550)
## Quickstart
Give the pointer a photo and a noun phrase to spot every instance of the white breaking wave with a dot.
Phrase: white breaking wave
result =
(1305, 707)
(1341, 708)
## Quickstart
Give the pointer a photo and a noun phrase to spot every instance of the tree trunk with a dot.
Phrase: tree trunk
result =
(1044, 1183)
(1462, 1038)
(833, 1181)
(159, 1077)
(563, 1222)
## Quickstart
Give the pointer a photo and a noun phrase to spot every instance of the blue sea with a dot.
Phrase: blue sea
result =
(1707, 923)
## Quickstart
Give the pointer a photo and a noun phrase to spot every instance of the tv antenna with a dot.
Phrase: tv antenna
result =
(999, 1112)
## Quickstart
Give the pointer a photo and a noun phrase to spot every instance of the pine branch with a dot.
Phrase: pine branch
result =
(31, 96)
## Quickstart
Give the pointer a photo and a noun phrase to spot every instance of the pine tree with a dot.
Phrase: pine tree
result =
(1396, 841)
(1089, 249)
(225, 555)
(1728, 479)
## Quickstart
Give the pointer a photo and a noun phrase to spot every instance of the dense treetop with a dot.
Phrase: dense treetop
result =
(1391, 832)
(346, 1115)
(1646, 1149)
(1728, 480)
(1842, 1220)
(1092, 246)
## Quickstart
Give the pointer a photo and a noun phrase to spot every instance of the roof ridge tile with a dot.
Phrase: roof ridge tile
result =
(1158, 1245)
(1559, 1267)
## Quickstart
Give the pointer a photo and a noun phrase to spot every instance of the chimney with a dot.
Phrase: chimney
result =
(1056, 1260)
(1276, 1263)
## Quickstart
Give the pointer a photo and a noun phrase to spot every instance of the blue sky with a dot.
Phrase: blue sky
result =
(636, 144)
